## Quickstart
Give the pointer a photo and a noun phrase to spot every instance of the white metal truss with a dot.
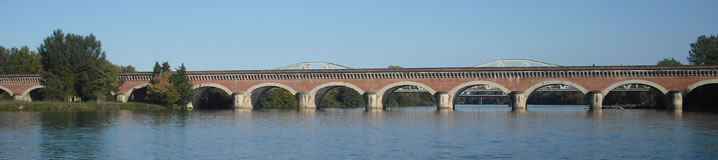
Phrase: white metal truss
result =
(521, 62)
(313, 65)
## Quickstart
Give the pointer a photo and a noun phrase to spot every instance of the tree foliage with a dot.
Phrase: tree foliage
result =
(342, 97)
(19, 61)
(704, 51)
(184, 88)
(161, 91)
(167, 88)
(669, 62)
(410, 99)
(75, 66)
(277, 98)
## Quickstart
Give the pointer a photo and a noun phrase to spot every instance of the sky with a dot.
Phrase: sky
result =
(267, 34)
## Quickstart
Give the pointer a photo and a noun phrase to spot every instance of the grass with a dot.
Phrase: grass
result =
(78, 106)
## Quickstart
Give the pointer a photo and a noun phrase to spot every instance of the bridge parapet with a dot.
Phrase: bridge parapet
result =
(434, 73)
(376, 84)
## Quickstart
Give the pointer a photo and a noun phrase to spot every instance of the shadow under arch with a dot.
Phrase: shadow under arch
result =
(320, 91)
(256, 91)
(566, 97)
(701, 96)
(131, 94)
(700, 83)
(387, 90)
(454, 93)
(7, 90)
(653, 98)
(33, 93)
(200, 89)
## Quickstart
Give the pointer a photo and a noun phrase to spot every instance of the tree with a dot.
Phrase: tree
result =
(394, 67)
(704, 51)
(166, 67)
(129, 68)
(19, 61)
(669, 62)
(75, 66)
(156, 69)
(277, 98)
(161, 91)
(182, 84)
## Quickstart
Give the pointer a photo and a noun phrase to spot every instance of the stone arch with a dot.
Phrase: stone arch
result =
(272, 84)
(456, 90)
(7, 90)
(215, 85)
(382, 93)
(318, 92)
(128, 93)
(198, 89)
(253, 93)
(26, 94)
(27, 91)
(699, 84)
(634, 81)
(550, 82)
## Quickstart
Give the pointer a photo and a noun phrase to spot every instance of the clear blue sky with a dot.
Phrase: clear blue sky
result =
(235, 35)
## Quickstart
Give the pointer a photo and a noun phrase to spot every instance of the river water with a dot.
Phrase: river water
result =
(469, 132)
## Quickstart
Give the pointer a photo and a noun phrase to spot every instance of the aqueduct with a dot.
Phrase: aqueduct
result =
(444, 83)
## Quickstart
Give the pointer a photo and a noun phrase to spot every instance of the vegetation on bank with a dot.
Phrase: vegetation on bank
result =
(78, 106)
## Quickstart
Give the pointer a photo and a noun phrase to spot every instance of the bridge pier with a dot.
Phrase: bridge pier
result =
(305, 101)
(595, 100)
(518, 100)
(241, 101)
(675, 101)
(121, 98)
(442, 101)
(372, 101)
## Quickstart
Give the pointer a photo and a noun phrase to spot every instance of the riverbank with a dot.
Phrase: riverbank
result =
(76, 106)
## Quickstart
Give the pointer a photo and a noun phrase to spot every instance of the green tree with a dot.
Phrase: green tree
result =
(342, 97)
(166, 67)
(129, 69)
(75, 66)
(669, 62)
(277, 98)
(704, 51)
(394, 67)
(156, 69)
(182, 84)
(19, 61)
(161, 91)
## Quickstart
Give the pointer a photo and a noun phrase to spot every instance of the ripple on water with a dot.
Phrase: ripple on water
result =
(469, 132)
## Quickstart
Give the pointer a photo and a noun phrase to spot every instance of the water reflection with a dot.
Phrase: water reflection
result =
(468, 132)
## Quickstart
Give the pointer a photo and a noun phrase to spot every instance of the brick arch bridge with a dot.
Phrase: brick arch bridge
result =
(445, 84)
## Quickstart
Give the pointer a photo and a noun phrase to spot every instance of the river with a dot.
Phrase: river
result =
(469, 132)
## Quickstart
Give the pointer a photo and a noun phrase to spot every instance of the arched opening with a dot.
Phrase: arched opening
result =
(37, 94)
(702, 99)
(138, 95)
(212, 98)
(5, 95)
(634, 96)
(339, 97)
(270, 97)
(556, 95)
(408, 96)
(481, 95)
